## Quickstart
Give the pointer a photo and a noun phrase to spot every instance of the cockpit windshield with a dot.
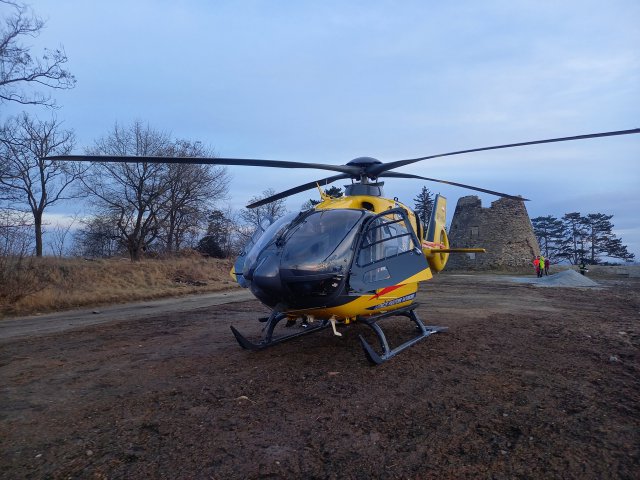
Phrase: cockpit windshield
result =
(320, 242)
(269, 234)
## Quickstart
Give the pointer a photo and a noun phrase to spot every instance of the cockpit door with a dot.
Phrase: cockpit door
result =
(388, 252)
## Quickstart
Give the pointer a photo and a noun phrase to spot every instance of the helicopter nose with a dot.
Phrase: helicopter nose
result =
(266, 276)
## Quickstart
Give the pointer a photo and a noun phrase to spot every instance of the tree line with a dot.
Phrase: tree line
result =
(578, 238)
(136, 208)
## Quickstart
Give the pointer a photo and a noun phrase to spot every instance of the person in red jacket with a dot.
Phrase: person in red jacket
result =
(536, 264)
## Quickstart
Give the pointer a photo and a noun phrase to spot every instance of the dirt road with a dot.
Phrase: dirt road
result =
(528, 383)
(38, 325)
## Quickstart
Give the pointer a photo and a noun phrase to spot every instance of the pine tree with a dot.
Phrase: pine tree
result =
(573, 244)
(589, 238)
(616, 249)
(601, 240)
(550, 232)
(334, 192)
(423, 205)
(215, 243)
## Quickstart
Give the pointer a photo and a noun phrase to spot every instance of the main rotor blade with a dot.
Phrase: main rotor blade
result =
(377, 169)
(298, 189)
(250, 162)
(478, 189)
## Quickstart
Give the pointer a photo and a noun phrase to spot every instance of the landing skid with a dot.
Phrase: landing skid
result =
(372, 322)
(267, 336)
(387, 353)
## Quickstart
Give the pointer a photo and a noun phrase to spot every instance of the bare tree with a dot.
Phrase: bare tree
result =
(130, 193)
(151, 202)
(58, 237)
(97, 238)
(15, 240)
(19, 69)
(18, 278)
(192, 191)
(29, 181)
(253, 217)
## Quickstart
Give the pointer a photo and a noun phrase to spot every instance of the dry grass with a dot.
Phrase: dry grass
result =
(70, 283)
(50, 284)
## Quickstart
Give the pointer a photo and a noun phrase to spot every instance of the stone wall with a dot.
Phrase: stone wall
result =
(504, 230)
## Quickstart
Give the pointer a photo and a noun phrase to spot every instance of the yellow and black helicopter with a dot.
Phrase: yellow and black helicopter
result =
(356, 258)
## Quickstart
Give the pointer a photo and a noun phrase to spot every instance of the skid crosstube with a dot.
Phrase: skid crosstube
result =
(267, 336)
(387, 352)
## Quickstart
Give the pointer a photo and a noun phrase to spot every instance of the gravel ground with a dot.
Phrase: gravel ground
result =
(528, 383)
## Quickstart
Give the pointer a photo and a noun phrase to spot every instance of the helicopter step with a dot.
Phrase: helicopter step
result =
(267, 336)
(387, 352)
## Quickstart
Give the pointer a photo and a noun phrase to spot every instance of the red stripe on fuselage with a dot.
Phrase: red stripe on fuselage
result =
(386, 290)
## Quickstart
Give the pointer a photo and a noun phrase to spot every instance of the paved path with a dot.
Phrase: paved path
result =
(19, 327)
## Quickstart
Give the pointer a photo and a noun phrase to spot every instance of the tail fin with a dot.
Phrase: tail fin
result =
(436, 237)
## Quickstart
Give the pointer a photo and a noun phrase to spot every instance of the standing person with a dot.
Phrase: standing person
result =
(542, 265)
(536, 264)
(547, 264)
(583, 267)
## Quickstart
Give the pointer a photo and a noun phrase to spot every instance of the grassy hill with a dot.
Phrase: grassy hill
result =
(49, 284)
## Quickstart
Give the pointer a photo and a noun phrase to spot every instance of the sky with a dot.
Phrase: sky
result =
(334, 80)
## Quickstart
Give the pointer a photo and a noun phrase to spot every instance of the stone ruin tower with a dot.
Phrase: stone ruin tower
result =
(504, 230)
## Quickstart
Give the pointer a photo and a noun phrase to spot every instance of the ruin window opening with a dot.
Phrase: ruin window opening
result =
(475, 232)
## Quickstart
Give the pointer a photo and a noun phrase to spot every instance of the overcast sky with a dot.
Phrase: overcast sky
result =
(334, 80)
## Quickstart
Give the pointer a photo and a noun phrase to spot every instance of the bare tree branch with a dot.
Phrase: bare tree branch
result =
(19, 70)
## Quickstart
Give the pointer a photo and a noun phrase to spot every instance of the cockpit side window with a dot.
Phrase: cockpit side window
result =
(387, 253)
(386, 236)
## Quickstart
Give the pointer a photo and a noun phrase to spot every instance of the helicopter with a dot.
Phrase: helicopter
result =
(358, 258)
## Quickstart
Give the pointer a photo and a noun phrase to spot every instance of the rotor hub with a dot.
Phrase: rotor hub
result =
(364, 162)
